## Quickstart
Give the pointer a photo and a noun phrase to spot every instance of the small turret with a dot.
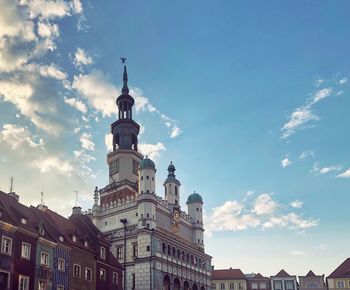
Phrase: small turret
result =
(147, 198)
(172, 187)
(195, 210)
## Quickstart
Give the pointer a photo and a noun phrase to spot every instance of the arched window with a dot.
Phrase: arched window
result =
(175, 190)
(164, 248)
(188, 258)
(183, 256)
(178, 254)
(169, 250)
(166, 190)
(192, 260)
(174, 252)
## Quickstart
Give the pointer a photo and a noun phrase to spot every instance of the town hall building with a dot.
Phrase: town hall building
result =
(160, 245)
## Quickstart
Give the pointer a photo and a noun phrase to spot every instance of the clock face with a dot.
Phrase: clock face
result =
(114, 167)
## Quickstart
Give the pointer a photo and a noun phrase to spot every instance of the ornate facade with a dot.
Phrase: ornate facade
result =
(160, 245)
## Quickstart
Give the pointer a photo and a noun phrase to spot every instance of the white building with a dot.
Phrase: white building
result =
(160, 245)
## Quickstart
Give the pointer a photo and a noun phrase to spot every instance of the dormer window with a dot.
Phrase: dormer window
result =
(86, 244)
(23, 221)
(41, 231)
(74, 238)
(61, 239)
(102, 252)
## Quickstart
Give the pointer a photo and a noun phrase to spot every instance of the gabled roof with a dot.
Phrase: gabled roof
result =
(227, 274)
(258, 277)
(343, 271)
(282, 273)
(311, 274)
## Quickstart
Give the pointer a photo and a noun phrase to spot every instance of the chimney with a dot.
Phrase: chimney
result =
(76, 210)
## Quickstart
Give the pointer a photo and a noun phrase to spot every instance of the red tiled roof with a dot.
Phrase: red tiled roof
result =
(226, 274)
(343, 271)
(282, 273)
(311, 274)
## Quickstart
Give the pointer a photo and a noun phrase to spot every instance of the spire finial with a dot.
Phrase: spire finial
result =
(125, 89)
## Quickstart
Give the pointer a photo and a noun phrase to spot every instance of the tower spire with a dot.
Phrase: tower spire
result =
(125, 89)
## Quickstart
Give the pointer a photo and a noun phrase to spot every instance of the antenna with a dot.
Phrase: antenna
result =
(42, 199)
(11, 184)
(76, 197)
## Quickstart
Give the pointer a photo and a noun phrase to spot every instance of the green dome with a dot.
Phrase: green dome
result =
(147, 164)
(194, 198)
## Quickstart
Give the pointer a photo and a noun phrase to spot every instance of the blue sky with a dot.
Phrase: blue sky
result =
(249, 99)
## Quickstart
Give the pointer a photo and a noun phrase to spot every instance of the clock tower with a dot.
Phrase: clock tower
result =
(124, 160)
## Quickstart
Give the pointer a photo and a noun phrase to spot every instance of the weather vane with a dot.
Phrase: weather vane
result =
(123, 59)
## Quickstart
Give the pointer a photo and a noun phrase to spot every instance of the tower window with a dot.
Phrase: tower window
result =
(147, 191)
(141, 177)
(164, 247)
(148, 215)
(169, 250)
(175, 190)
(147, 177)
(166, 190)
(152, 178)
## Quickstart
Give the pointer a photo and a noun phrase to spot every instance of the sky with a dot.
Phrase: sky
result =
(249, 99)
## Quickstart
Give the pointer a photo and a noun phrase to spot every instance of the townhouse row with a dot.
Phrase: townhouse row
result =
(234, 279)
(42, 250)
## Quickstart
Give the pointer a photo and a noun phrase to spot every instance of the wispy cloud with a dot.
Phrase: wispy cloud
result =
(296, 204)
(286, 162)
(298, 253)
(152, 150)
(343, 81)
(306, 154)
(263, 212)
(326, 169)
(304, 114)
(345, 174)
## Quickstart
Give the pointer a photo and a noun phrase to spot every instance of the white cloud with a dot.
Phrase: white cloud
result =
(53, 163)
(86, 143)
(17, 137)
(317, 169)
(77, 104)
(299, 117)
(264, 213)
(319, 82)
(142, 103)
(47, 9)
(175, 131)
(298, 253)
(304, 114)
(152, 150)
(343, 81)
(109, 142)
(264, 204)
(77, 6)
(296, 204)
(306, 154)
(286, 162)
(81, 58)
(99, 92)
(48, 30)
(345, 174)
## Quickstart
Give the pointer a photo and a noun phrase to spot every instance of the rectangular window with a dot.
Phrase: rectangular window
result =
(76, 271)
(222, 286)
(60, 287)
(88, 274)
(61, 265)
(232, 286)
(289, 285)
(254, 285)
(42, 285)
(6, 245)
(262, 285)
(120, 253)
(277, 285)
(134, 250)
(115, 278)
(25, 253)
(23, 282)
(44, 258)
(102, 274)
(240, 286)
(103, 253)
(4, 280)
(340, 284)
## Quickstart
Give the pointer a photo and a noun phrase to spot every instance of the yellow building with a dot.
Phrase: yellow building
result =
(340, 278)
(228, 279)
